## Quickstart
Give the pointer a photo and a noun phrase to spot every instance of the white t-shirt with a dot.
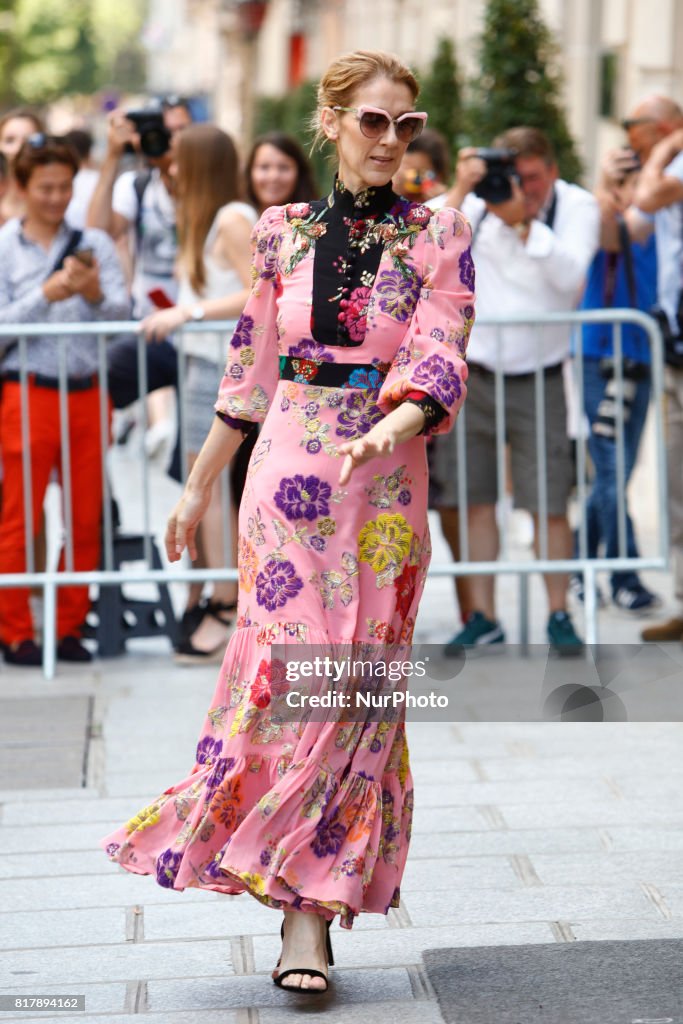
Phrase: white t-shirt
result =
(156, 252)
(84, 186)
(545, 275)
(669, 240)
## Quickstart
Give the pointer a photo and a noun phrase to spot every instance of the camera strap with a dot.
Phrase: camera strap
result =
(549, 220)
(140, 183)
(72, 243)
(624, 252)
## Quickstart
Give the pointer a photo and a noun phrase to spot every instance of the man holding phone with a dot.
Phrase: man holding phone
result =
(51, 273)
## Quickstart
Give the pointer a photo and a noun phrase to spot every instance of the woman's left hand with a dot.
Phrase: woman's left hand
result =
(379, 441)
(159, 325)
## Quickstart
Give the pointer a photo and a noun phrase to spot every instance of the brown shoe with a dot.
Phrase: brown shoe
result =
(665, 633)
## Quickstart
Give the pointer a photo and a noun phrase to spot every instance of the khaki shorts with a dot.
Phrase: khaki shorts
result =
(520, 434)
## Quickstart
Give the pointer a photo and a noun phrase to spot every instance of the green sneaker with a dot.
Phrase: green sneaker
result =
(562, 636)
(478, 632)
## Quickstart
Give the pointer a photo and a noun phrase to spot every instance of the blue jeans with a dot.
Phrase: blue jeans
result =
(601, 506)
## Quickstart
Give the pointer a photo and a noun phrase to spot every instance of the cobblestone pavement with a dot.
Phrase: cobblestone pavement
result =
(533, 832)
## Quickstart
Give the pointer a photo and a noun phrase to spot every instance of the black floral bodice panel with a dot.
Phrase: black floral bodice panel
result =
(347, 256)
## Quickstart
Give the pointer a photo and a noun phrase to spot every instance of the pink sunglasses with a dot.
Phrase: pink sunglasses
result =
(374, 122)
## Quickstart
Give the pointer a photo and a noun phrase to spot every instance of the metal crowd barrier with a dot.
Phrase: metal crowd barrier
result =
(104, 332)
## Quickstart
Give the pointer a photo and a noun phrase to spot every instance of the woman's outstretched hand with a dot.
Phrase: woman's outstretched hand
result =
(401, 424)
(363, 449)
(181, 529)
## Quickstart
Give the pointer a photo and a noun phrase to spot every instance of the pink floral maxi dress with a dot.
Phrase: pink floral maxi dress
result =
(358, 303)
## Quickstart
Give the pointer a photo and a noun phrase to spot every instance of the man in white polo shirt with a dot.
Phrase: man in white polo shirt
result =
(531, 253)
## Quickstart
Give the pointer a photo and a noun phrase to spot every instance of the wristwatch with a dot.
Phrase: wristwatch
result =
(197, 313)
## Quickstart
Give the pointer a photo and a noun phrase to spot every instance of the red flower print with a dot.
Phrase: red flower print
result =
(405, 589)
(259, 693)
(356, 313)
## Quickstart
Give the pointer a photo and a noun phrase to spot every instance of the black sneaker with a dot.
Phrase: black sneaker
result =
(70, 648)
(478, 632)
(562, 636)
(27, 653)
(636, 599)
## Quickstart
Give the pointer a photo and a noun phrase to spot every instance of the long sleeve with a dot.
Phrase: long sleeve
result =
(431, 356)
(31, 307)
(252, 370)
(115, 305)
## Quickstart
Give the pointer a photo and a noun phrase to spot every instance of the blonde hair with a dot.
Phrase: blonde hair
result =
(208, 178)
(347, 73)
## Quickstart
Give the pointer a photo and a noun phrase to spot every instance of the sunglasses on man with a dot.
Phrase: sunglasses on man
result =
(374, 122)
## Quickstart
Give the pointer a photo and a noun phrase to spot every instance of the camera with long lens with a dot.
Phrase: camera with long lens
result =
(673, 339)
(496, 185)
(155, 138)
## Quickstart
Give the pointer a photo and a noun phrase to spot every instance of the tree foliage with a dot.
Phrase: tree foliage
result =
(441, 94)
(54, 48)
(519, 81)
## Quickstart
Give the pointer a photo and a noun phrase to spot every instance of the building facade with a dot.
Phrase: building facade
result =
(613, 52)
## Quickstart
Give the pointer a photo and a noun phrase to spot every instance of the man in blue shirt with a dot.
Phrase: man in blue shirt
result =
(623, 274)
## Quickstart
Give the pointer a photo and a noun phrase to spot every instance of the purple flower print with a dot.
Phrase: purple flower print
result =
(360, 413)
(313, 446)
(168, 864)
(328, 838)
(302, 497)
(113, 849)
(466, 264)
(313, 350)
(216, 776)
(269, 247)
(208, 750)
(276, 584)
(437, 334)
(398, 294)
(212, 869)
(318, 543)
(236, 371)
(439, 379)
(242, 333)
(404, 497)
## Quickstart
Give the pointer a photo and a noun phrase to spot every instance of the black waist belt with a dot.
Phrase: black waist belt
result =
(39, 380)
(548, 371)
(332, 375)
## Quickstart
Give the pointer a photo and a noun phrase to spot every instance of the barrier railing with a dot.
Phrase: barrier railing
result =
(65, 334)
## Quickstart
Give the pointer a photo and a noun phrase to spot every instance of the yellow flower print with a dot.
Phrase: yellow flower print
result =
(384, 543)
(143, 819)
(326, 527)
(255, 882)
(247, 564)
(247, 357)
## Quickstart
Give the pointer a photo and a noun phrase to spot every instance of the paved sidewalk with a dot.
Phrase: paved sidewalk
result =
(524, 833)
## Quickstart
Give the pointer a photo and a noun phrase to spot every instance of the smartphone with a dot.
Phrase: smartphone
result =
(85, 256)
(159, 298)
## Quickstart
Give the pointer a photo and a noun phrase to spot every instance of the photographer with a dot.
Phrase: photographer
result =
(533, 240)
(138, 208)
(623, 274)
(655, 133)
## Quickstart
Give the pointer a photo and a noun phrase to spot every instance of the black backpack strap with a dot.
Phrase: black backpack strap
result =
(140, 183)
(627, 253)
(72, 243)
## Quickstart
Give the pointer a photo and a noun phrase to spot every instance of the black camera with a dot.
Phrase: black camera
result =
(155, 138)
(673, 340)
(496, 185)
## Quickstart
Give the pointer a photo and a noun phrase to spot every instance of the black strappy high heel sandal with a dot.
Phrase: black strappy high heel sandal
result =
(188, 654)
(307, 972)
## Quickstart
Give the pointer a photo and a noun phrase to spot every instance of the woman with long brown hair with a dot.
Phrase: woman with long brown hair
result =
(213, 268)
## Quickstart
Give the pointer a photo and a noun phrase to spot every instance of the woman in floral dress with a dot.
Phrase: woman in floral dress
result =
(350, 349)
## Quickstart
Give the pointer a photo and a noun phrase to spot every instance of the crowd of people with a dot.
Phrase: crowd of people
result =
(168, 242)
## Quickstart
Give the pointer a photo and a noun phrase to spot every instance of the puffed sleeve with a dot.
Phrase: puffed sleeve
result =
(430, 358)
(252, 370)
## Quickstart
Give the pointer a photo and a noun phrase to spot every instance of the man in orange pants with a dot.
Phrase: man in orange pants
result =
(53, 274)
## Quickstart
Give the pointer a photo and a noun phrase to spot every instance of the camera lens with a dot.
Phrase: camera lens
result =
(154, 142)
